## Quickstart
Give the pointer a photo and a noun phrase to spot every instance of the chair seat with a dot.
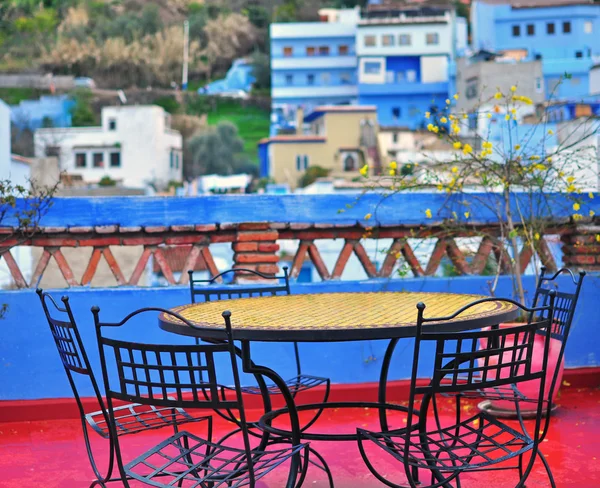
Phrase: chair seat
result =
(187, 460)
(474, 443)
(135, 417)
(295, 385)
(508, 392)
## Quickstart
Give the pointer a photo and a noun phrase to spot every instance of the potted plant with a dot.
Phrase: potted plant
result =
(519, 174)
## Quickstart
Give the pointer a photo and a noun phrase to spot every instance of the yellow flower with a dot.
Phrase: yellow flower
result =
(570, 179)
(550, 132)
(591, 195)
(577, 216)
(456, 96)
(392, 172)
(436, 129)
(467, 149)
(455, 169)
(517, 147)
(534, 157)
(549, 159)
(536, 236)
(513, 111)
(487, 145)
(440, 187)
(498, 96)
(513, 88)
(427, 115)
(576, 206)
(455, 129)
(592, 213)
(428, 213)
(507, 117)
(447, 101)
(540, 167)
(364, 170)
(457, 145)
(597, 237)
(571, 188)
(393, 165)
(430, 127)
(489, 116)
(443, 120)
(465, 116)
(368, 216)
(467, 215)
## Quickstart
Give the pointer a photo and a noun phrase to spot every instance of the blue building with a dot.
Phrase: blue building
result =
(33, 114)
(313, 64)
(560, 33)
(238, 78)
(405, 56)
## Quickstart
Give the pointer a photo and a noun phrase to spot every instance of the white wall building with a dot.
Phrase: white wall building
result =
(135, 145)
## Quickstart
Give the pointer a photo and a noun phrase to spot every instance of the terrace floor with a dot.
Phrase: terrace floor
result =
(52, 454)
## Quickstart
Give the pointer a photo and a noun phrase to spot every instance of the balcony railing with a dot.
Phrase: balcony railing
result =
(258, 227)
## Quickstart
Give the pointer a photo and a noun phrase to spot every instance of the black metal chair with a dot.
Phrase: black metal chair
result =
(186, 376)
(461, 365)
(213, 290)
(131, 418)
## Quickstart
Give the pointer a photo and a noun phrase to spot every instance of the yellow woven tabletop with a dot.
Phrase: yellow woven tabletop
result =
(331, 312)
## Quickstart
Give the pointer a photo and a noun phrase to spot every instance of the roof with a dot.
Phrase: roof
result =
(20, 159)
(324, 109)
(538, 3)
(292, 139)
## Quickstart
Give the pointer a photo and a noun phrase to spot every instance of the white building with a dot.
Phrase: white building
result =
(135, 146)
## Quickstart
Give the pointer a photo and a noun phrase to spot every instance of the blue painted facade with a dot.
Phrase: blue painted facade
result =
(565, 38)
(30, 114)
(239, 77)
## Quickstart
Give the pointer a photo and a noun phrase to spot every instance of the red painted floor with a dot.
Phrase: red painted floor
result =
(52, 454)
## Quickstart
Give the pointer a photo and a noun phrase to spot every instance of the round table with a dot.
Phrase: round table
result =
(334, 316)
(330, 317)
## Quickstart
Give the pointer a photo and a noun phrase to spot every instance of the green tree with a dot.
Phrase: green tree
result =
(312, 174)
(82, 113)
(261, 70)
(217, 151)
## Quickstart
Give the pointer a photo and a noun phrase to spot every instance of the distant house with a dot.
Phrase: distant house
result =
(239, 79)
(135, 146)
(53, 111)
(339, 138)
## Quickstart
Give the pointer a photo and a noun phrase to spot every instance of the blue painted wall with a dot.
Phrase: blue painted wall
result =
(30, 114)
(30, 367)
(412, 107)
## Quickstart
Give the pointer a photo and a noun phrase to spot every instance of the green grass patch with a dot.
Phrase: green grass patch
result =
(252, 122)
(12, 96)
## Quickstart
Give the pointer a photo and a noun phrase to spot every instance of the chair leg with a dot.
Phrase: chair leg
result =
(321, 410)
(524, 474)
(324, 466)
(548, 470)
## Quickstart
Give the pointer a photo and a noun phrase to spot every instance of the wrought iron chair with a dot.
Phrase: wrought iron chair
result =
(212, 291)
(131, 418)
(186, 376)
(460, 365)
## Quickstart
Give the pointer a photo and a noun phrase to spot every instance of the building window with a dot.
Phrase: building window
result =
(305, 162)
(350, 163)
(432, 39)
(112, 124)
(530, 30)
(539, 87)
(171, 160)
(288, 51)
(538, 57)
(404, 40)
(396, 113)
(566, 27)
(372, 68)
(311, 51)
(343, 50)
(516, 30)
(98, 159)
(298, 162)
(588, 27)
(400, 76)
(411, 75)
(473, 122)
(289, 80)
(80, 160)
(310, 79)
(550, 28)
(323, 50)
(115, 159)
(370, 41)
(346, 78)
(325, 78)
(52, 151)
(387, 40)
(578, 54)
(395, 138)
(176, 160)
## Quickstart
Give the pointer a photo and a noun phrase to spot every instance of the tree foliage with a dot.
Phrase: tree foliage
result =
(312, 174)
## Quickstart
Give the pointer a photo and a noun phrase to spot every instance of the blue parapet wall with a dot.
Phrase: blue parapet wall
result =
(30, 367)
(397, 209)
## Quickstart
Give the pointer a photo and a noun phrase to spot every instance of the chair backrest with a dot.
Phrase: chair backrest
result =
(476, 360)
(177, 376)
(565, 302)
(212, 289)
(69, 345)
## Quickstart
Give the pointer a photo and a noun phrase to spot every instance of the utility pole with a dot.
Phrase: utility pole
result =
(186, 53)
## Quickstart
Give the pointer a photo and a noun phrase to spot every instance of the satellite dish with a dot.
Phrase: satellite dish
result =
(122, 96)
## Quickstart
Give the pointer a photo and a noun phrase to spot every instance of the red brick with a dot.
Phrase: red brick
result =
(80, 230)
(581, 249)
(268, 247)
(255, 258)
(315, 234)
(56, 242)
(186, 239)
(106, 229)
(271, 269)
(143, 241)
(182, 228)
(227, 237)
(106, 241)
(245, 246)
(253, 236)
(254, 226)
(206, 228)
(155, 229)
(580, 259)
(580, 239)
